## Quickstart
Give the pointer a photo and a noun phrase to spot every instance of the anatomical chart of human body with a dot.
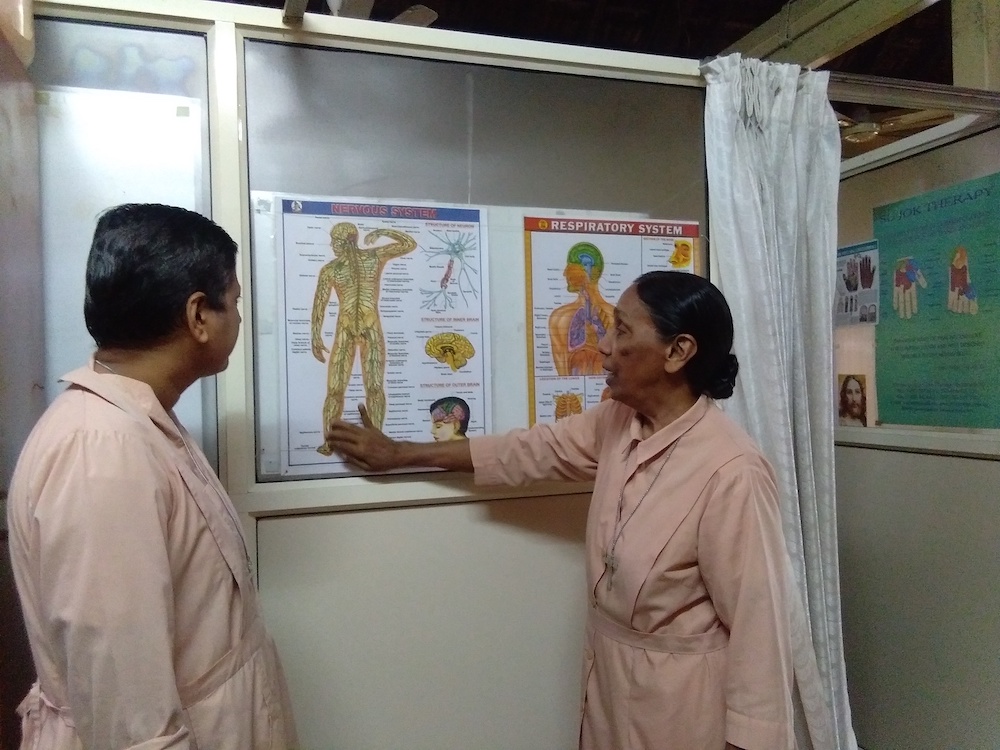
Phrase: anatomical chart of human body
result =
(384, 304)
(577, 270)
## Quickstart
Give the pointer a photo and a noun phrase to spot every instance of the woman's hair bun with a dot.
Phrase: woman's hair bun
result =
(722, 384)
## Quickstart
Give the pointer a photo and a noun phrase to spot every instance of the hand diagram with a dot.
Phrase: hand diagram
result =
(904, 291)
(961, 292)
(850, 276)
(867, 272)
(318, 349)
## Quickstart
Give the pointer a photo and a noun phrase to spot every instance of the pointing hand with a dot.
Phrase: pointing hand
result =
(365, 446)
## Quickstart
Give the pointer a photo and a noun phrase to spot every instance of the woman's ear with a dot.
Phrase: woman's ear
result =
(679, 352)
(196, 317)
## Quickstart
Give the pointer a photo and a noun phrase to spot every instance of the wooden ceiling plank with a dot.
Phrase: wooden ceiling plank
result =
(795, 18)
(811, 32)
(763, 40)
(806, 15)
(856, 24)
(975, 34)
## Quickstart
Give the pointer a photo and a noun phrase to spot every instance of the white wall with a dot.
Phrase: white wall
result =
(449, 627)
(920, 562)
(919, 538)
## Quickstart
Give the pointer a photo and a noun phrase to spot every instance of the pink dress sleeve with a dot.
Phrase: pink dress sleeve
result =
(566, 450)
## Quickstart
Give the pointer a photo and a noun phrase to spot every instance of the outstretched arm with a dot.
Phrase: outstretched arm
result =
(370, 449)
(403, 244)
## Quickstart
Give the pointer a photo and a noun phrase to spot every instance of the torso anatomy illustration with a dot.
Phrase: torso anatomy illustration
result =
(567, 404)
(576, 328)
(577, 266)
(355, 275)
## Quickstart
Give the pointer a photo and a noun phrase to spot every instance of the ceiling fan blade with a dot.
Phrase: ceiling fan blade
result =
(843, 120)
(861, 132)
(856, 148)
(894, 122)
(416, 15)
(351, 8)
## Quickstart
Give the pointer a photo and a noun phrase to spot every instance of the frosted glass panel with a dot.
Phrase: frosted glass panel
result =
(122, 118)
(326, 122)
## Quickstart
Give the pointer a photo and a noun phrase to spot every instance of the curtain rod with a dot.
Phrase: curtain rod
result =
(910, 94)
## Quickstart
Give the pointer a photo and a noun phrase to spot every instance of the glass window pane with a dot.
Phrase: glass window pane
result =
(123, 117)
(326, 122)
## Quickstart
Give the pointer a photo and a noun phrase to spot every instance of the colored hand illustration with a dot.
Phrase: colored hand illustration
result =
(961, 292)
(850, 275)
(904, 291)
(867, 270)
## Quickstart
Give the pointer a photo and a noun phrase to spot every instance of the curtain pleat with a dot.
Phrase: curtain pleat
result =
(773, 158)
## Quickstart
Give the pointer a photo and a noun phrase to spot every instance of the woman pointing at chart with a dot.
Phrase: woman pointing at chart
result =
(688, 630)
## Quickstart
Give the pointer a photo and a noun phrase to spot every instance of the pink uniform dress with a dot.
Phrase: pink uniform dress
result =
(133, 574)
(688, 636)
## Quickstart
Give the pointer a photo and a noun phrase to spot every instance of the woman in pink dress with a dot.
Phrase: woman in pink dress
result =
(688, 634)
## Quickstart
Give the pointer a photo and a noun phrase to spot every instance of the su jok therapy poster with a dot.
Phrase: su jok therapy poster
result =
(937, 348)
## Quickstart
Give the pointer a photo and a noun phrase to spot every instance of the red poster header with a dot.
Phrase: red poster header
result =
(644, 227)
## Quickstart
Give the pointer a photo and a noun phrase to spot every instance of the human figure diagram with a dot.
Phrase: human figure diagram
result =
(576, 328)
(355, 274)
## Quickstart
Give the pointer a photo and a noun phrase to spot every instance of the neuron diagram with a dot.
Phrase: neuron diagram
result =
(458, 248)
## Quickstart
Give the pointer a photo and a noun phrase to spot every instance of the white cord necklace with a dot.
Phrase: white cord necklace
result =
(237, 527)
(611, 560)
(109, 368)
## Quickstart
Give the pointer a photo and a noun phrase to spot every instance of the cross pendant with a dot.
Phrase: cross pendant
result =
(610, 565)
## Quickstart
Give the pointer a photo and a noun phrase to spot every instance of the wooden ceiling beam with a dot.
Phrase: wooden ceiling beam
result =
(811, 32)
(294, 11)
(975, 40)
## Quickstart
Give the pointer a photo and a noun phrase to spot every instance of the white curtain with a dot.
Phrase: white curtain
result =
(773, 157)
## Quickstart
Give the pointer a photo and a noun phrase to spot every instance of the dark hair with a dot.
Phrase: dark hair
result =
(681, 302)
(455, 407)
(146, 260)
